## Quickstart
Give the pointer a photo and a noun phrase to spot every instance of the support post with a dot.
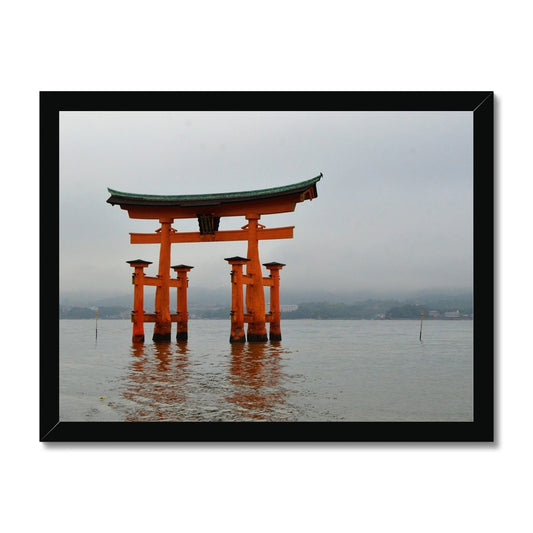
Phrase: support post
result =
(137, 315)
(237, 308)
(181, 308)
(163, 324)
(255, 295)
(275, 312)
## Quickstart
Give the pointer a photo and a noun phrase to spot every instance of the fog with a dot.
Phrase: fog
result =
(394, 210)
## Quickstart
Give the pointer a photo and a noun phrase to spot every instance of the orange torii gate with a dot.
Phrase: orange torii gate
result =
(209, 209)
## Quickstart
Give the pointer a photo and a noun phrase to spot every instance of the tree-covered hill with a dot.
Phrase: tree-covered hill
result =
(433, 306)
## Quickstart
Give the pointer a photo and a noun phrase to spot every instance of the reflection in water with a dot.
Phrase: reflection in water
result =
(169, 381)
(256, 378)
(156, 380)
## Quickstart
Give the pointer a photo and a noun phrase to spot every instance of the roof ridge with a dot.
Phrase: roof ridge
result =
(235, 194)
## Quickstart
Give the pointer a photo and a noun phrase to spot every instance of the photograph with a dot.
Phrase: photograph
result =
(266, 266)
(283, 267)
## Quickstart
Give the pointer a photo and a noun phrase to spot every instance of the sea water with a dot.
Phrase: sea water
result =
(322, 370)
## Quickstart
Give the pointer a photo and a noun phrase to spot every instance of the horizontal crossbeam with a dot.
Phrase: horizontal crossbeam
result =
(226, 235)
(157, 282)
(152, 317)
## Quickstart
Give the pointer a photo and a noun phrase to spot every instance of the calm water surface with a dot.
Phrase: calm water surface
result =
(334, 370)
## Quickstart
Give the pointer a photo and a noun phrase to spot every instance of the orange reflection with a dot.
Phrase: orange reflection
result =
(156, 380)
(256, 376)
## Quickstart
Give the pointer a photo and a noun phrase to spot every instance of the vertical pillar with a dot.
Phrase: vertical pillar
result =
(137, 315)
(275, 328)
(163, 324)
(255, 296)
(237, 308)
(183, 315)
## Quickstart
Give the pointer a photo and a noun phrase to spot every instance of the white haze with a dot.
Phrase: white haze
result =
(394, 210)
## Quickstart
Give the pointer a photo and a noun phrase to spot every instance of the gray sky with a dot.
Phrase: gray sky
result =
(394, 208)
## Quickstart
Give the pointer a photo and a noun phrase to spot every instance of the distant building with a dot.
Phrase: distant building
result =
(288, 308)
(452, 314)
(434, 314)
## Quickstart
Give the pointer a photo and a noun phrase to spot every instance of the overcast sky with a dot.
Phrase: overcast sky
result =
(394, 208)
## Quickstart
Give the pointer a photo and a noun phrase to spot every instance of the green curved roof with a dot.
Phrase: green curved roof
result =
(122, 198)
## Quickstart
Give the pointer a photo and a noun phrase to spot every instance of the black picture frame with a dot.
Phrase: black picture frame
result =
(481, 429)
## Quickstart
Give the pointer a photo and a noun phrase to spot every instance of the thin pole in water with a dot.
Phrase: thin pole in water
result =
(421, 319)
(96, 323)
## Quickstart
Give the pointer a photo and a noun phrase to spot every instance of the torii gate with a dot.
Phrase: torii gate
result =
(209, 209)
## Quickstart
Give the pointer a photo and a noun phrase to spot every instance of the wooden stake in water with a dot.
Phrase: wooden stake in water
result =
(96, 323)
(421, 319)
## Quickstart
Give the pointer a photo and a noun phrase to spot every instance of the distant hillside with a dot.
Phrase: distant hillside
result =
(109, 312)
(382, 309)
(221, 297)
(433, 306)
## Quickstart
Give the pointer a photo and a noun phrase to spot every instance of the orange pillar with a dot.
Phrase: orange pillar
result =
(255, 296)
(137, 315)
(275, 328)
(163, 324)
(183, 315)
(237, 308)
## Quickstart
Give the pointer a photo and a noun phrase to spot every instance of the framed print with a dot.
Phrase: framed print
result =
(266, 266)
